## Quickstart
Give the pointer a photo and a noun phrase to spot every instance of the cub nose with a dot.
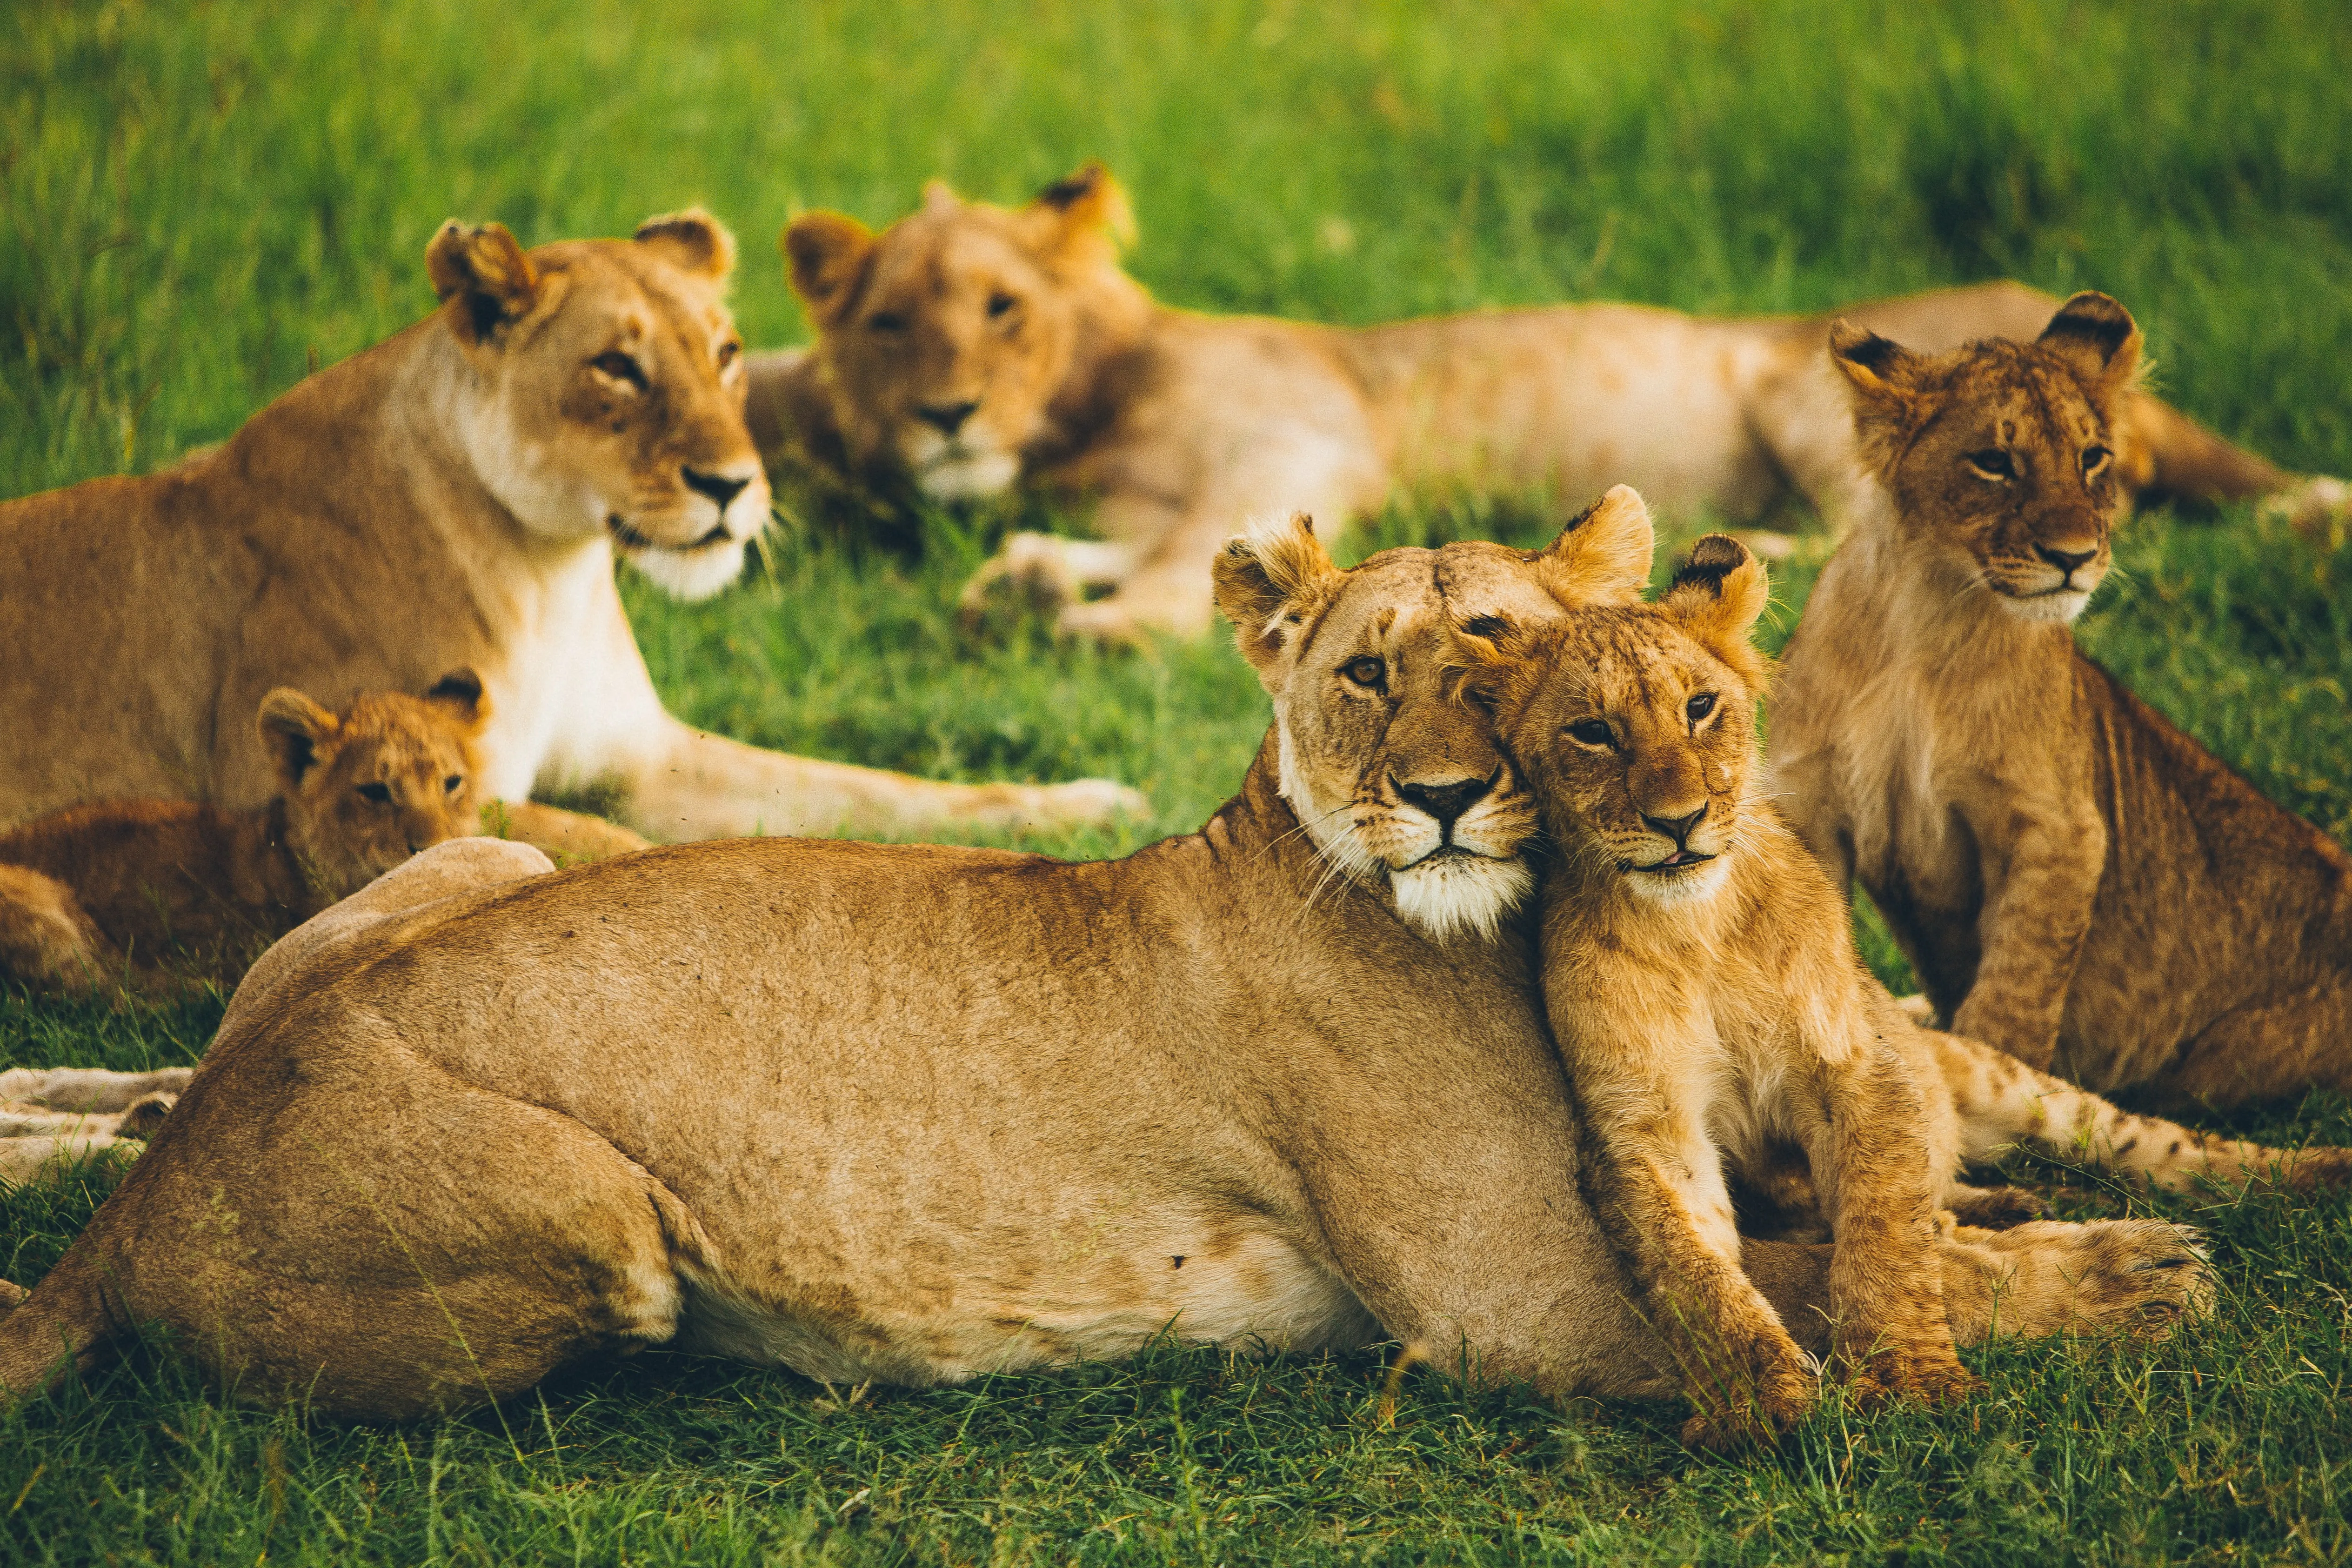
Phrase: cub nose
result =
(2065, 560)
(947, 418)
(1678, 829)
(1444, 802)
(718, 487)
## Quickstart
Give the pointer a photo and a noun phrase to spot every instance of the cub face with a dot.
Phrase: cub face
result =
(948, 336)
(389, 777)
(2000, 456)
(1634, 725)
(611, 389)
(1394, 780)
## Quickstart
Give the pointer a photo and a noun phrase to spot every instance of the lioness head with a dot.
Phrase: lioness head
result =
(1635, 724)
(1999, 456)
(947, 337)
(368, 788)
(1394, 780)
(607, 391)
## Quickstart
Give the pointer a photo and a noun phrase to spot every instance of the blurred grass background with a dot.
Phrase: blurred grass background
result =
(204, 200)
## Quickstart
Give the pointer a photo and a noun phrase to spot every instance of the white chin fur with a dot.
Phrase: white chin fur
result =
(1460, 895)
(968, 476)
(690, 574)
(1685, 887)
(2059, 609)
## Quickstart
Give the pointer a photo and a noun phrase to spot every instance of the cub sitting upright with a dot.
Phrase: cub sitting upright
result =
(2075, 880)
(1701, 979)
(161, 892)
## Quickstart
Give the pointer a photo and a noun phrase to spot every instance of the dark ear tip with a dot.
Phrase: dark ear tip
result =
(1711, 559)
(1068, 189)
(458, 686)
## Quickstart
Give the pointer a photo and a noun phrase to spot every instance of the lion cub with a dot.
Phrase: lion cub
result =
(164, 893)
(1702, 982)
(2075, 880)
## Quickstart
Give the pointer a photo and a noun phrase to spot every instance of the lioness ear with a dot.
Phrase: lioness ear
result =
(692, 241)
(825, 253)
(1602, 557)
(1716, 595)
(461, 692)
(2098, 341)
(483, 265)
(294, 730)
(1267, 580)
(1082, 209)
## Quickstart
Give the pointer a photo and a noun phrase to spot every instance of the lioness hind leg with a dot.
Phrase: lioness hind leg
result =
(47, 940)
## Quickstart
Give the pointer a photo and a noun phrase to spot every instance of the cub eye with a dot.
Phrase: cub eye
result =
(1992, 463)
(1593, 732)
(886, 321)
(1365, 671)
(378, 793)
(999, 303)
(2093, 459)
(451, 784)
(620, 367)
(1699, 706)
(728, 353)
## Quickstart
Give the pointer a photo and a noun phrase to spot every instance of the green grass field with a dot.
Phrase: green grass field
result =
(204, 200)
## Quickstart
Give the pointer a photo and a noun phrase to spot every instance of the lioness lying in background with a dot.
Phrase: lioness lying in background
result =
(971, 347)
(454, 496)
(919, 1113)
(2075, 880)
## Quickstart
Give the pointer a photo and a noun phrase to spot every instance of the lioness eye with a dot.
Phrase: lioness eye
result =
(1992, 463)
(1699, 706)
(2094, 458)
(886, 321)
(450, 784)
(1591, 732)
(379, 793)
(1365, 671)
(620, 367)
(999, 303)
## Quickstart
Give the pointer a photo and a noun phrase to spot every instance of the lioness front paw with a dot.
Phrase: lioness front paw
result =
(2320, 507)
(1088, 802)
(1106, 621)
(2107, 1276)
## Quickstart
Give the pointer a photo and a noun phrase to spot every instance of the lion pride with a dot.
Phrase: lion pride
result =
(969, 347)
(452, 496)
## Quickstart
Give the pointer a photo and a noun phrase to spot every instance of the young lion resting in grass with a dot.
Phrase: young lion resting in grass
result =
(968, 347)
(921, 1113)
(1701, 979)
(2075, 880)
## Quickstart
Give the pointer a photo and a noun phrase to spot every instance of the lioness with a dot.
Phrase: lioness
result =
(1702, 982)
(452, 495)
(161, 892)
(968, 346)
(914, 1113)
(2076, 880)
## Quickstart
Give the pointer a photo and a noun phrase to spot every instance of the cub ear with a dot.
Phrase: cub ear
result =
(692, 241)
(460, 691)
(296, 732)
(2098, 341)
(1716, 595)
(826, 254)
(482, 265)
(1491, 659)
(1602, 557)
(1884, 379)
(939, 196)
(1266, 578)
(1084, 209)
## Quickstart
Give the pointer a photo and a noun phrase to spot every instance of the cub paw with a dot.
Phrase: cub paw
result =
(1758, 1408)
(1997, 1207)
(1929, 1373)
(2319, 1170)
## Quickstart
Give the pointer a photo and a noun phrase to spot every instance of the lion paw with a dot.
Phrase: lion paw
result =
(2109, 1276)
(1088, 802)
(2319, 1170)
(2320, 508)
(1997, 1207)
(1929, 1373)
(1759, 1407)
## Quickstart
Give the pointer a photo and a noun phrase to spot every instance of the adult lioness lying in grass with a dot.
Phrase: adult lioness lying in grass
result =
(1701, 980)
(917, 1113)
(970, 347)
(2075, 880)
(452, 496)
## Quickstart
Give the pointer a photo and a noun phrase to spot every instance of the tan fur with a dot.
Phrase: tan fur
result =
(970, 346)
(161, 892)
(452, 496)
(39, 1144)
(972, 1110)
(2076, 880)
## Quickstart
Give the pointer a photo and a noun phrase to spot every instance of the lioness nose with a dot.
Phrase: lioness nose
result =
(718, 487)
(2065, 560)
(1678, 829)
(1442, 801)
(947, 418)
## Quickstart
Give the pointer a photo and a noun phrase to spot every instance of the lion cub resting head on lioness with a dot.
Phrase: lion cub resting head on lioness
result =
(1701, 981)
(163, 892)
